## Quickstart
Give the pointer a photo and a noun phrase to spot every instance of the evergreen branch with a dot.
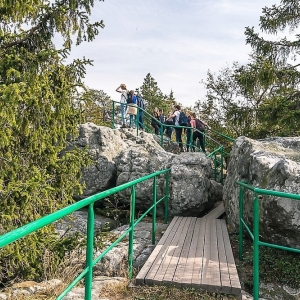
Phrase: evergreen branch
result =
(30, 33)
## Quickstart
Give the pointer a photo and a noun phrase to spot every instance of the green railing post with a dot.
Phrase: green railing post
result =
(131, 232)
(161, 129)
(113, 116)
(215, 167)
(89, 252)
(137, 118)
(241, 225)
(191, 138)
(222, 164)
(154, 197)
(166, 202)
(255, 248)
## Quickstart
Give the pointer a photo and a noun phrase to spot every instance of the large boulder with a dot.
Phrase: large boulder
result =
(272, 164)
(121, 156)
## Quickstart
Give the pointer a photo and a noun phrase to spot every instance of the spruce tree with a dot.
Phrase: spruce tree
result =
(282, 105)
(37, 113)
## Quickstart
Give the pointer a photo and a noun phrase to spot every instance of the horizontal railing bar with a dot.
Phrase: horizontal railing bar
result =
(173, 126)
(248, 229)
(72, 284)
(215, 151)
(223, 135)
(279, 247)
(148, 210)
(46, 220)
(269, 192)
(123, 235)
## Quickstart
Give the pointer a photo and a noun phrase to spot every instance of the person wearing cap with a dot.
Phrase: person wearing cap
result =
(123, 90)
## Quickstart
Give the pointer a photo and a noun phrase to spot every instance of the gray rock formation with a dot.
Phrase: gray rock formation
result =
(77, 222)
(121, 156)
(272, 164)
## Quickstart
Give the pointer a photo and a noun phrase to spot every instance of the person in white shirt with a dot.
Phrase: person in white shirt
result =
(123, 90)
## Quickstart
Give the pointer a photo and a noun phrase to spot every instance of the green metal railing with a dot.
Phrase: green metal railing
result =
(217, 153)
(255, 234)
(87, 273)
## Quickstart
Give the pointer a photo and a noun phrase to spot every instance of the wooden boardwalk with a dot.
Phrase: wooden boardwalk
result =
(193, 252)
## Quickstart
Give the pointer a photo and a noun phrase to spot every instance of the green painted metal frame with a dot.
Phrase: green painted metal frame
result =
(87, 273)
(255, 234)
(218, 163)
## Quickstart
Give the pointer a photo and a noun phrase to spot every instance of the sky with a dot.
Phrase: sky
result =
(176, 41)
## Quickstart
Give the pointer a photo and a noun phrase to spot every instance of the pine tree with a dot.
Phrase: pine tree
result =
(274, 20)
(282, 105)
(151, 92)
(154, 96)
(37, 113)
(95, 107)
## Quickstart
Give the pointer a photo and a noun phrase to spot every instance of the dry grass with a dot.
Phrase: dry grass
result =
(123, 291)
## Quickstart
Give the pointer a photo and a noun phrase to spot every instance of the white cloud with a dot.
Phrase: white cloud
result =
(176, 41)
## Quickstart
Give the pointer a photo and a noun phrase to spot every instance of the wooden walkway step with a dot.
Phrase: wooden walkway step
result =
(216, 213)
(193, 252)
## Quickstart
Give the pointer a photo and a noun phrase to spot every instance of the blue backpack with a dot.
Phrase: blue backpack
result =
(140, 102)
(183, 119)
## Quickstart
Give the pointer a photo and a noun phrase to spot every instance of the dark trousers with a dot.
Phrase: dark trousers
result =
(156, 127)
(169, 132)
(188, 139)
(200, 136)
(178, 132)
(141, 119)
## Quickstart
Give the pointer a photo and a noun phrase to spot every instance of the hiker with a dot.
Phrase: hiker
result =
(178, 130)
(132, 108)
(141, 105)
(162, 119)
(198, 133)
(123, 90)
(154, 122)
(188, 132)
(169, 121)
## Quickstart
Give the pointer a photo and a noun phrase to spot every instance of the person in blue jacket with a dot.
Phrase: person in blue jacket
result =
(132, 109)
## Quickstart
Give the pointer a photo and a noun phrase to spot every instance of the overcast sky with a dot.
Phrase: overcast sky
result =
(176, 41)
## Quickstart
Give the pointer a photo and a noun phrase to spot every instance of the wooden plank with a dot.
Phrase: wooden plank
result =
(234, 277)
(168, 266)
(181, 266)
(211, 270)
(193, 252)
(186, 276)
(161, 256)
(225, 278)
(198, 262)
(140, 278)
(216, 213)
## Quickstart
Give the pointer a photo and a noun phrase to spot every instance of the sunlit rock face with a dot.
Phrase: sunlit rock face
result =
(272, 164)
(121, 156)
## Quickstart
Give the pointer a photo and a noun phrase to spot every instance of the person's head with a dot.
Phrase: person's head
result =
(188, 113)
(177, 107)
(193, 115)
(123, 86)
(156, 109)
(131, 92)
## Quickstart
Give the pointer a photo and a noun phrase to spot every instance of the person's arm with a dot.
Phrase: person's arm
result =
(118, 89)
(205, 124)
(174, 114)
